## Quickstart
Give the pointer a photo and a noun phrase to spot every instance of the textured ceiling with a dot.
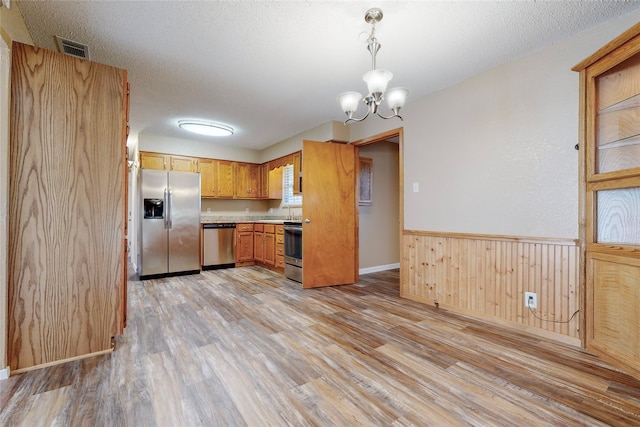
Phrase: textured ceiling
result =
(272, 69)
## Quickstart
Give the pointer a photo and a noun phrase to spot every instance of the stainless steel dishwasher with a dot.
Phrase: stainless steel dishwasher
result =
(219, 246)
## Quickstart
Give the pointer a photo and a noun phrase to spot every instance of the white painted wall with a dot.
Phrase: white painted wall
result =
(495, 153)
(187, 147)
(379, 243)
(324, 132)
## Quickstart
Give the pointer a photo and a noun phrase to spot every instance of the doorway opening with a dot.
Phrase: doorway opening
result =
(380, 220)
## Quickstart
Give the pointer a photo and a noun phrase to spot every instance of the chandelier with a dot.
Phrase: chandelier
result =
(376, 80)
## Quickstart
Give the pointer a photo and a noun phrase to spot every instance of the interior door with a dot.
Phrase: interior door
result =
(329, 227)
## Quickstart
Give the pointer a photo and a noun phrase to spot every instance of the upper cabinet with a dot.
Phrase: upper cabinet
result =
(227, 179)
(247, 184)
(208, 182)
(183, 164)
(275, 183)
(614, 128)
(168, 162)
(297, 172)
(225, 175)
(264, 180)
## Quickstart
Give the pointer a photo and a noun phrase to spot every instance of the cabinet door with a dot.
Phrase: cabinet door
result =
(184, 164)
(254, 181)
(243, 182)
(156, 161)
(275, 183)
(244, 248)
(264, 180)
(258, 246)
(279, 247)
(206, 167)
(270, 249)
(247, 184)
(297, 170)
(226, 178)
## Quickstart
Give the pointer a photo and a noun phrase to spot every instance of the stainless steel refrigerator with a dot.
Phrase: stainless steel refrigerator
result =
(169, 232)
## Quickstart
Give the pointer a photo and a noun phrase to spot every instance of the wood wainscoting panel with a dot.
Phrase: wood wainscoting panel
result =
(487, 276)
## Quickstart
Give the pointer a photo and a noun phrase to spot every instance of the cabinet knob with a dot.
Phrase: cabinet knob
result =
(307, 220)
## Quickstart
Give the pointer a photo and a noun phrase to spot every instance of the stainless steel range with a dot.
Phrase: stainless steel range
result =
(293, 250)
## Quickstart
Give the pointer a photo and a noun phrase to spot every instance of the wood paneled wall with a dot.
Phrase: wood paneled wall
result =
(487, 276)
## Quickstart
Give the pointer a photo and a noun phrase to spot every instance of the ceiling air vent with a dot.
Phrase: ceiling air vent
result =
(72, 48)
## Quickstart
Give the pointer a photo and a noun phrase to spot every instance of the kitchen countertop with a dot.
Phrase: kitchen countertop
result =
(209, 219)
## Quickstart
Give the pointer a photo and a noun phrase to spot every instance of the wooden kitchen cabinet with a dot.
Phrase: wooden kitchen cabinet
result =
(610, 194)
(225, 175)
(264, 180)
(168, 162)
(279, 247)
(244, 244)
(275, 183)
(247, 180)
(297, 170)
(183, 164)
(264, 243)
(156, 161)
(208, 183)
(269, 245)
(258, 242)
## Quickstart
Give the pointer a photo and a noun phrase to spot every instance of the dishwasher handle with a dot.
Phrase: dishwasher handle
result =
(220, 225)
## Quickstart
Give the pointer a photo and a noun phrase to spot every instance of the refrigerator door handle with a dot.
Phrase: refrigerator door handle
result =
(170, 209)
(166, 209)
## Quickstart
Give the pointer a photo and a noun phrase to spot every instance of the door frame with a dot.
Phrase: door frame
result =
(384, 136)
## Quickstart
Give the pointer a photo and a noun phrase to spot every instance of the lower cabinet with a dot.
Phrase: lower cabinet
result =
(269, 245)
(280, 247)
(260, 244)
(244, 244)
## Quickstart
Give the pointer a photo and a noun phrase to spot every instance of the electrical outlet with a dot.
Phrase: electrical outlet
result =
(530, 300)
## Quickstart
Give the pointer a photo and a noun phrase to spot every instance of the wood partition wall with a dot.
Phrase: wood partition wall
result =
(486, 276)
(67, 199)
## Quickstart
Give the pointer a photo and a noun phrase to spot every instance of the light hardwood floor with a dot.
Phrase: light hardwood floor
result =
(246, 347)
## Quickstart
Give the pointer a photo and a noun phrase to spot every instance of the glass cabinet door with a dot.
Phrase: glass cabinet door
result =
(618, 117)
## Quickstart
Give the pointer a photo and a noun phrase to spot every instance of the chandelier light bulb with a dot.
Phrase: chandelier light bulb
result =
(396, 97)
(349, 101)
(377, 80)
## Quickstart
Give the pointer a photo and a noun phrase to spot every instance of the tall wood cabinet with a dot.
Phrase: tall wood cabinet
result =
(610, 199)
(67, 162)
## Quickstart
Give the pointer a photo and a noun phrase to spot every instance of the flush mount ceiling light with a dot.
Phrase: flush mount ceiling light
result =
(204, 127)
(376, 80)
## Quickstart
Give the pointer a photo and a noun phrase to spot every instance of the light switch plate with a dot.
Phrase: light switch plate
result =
(416, 187)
